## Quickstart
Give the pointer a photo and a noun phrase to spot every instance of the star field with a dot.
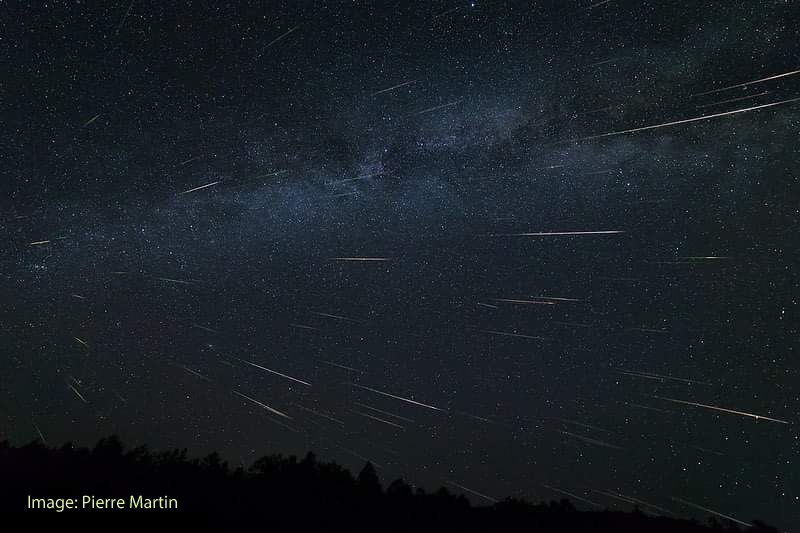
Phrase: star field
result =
(519, 249)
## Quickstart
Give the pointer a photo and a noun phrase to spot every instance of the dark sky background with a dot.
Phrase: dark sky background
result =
(429, 135)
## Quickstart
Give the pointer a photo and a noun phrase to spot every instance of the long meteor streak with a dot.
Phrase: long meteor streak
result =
(556, 233)
(475, 492)
(202, 187)
(518, 335)
(687, 120)
(265, 406)
(723, 410)
(77, 393)
(397, 397)
(360, 258)
(745, 84)
(571, 495)
(274, 372)
(379, 419)
(706, 509)
(393, 87)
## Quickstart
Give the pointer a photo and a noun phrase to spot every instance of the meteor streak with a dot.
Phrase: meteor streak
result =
(202, 187)
(571, 495)
(384, 412)
(556, 233)
(475, 492)
(438, 107)
(775, 77)
(591, 441)
(397, 397)
(519, 335)
(77, 393)
(723, 410)
(204, 328)
(91, 120)
(706, 509)
(729, 100)
(638, 373)
(687, 120)
(38, 243)
(267, 407)
(360, 259)
(280, 37)
(323, 415)
(337, 317)
(513, 301)
(179, 281)
(379, 419)
(392, 88)
(39, 431)
(275, 372)
(337, 365)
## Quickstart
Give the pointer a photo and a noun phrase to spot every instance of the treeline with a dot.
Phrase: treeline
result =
(285, 493)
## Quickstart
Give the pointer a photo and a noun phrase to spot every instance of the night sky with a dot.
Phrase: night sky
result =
(530, 249)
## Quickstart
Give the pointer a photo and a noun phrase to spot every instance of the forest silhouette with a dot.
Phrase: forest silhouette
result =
(286, 493)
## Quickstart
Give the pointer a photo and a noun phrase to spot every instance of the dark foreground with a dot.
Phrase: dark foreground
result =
(278, 493)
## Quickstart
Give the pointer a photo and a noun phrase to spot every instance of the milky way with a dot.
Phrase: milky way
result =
(538, 250)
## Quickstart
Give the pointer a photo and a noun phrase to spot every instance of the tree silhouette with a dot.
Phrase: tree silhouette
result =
(293, 495)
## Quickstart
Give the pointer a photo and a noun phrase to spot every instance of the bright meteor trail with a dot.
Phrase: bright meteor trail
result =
(722, 409)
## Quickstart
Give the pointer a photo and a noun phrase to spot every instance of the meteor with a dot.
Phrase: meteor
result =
(557, 233)
(397, 397)
(39, 431)
(77, 393)
(384, 412)
(379, 419)
(323, 415)
(38, 243)
(733, 100)
(337, 317)
(204, 328)
(91, 120)
(706, 509)
(202, 187)
(475, 492)
(267, 407)
(637, 373)
(590, 440)
(360, 259)
(365, 176)
(280, 37)
(687, 120)
(195, 158)
(195, 373)
(278, 173)
(630, 499)
(513, 301)
(337, 365)
(170, 280)
(275, 372)
(723, 410)
(392, 88)
(519, 335)
(86, 344)
(571, 495)
(438, 107)
(775, 77)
